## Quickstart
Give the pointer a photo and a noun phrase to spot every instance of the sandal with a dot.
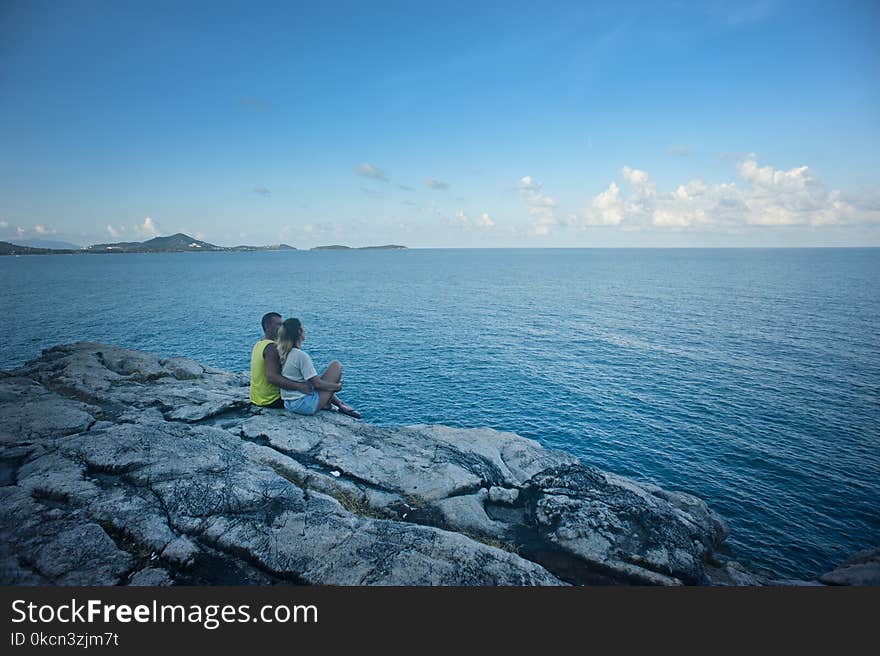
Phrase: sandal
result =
(348, 410)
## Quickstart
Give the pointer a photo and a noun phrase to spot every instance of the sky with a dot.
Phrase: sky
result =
(434, 125)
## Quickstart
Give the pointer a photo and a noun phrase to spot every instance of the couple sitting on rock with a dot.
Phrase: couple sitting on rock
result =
(283, 376)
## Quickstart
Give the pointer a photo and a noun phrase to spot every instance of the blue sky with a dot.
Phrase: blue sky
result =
(442, 124)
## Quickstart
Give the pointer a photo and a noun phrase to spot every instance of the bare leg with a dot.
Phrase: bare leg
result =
(333, 374)
(326, 400)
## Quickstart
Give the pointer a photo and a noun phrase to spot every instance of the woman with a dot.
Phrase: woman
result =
(297, 365)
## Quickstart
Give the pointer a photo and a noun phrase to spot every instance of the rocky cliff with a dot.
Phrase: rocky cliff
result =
(121, 467)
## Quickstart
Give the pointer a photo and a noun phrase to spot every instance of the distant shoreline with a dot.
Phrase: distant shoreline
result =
(387, 247)
(179, 243)
(7, 248)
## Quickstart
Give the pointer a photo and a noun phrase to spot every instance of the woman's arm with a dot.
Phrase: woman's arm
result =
(322, 385)
(273, 372)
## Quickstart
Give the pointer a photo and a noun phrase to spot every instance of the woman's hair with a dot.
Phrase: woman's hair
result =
(288, 336)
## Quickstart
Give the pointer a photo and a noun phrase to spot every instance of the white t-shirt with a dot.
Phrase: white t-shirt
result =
(298, 367)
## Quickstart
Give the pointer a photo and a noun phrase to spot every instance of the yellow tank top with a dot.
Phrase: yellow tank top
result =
(262, 391)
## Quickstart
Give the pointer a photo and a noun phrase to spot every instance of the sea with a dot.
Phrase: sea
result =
(747, 377)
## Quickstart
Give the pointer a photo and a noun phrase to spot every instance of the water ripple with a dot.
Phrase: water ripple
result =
(750, 378)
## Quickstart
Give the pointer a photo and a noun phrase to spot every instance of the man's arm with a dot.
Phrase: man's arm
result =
(273, 372)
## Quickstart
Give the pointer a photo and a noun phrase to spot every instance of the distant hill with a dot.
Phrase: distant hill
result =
(179, 243)
(337, 247)
(14, 249)
(273, 247)
(173, 244)
(47, 243)
(118, 247)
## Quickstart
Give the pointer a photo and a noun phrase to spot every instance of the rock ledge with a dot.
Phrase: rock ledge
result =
(119, 467)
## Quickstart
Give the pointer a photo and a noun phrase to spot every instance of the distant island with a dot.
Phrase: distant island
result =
(337, 247)
(179, 243)
(14, 249)
(48, 243)
(176, 244)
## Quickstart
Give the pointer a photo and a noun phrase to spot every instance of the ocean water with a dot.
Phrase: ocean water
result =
(748, 377)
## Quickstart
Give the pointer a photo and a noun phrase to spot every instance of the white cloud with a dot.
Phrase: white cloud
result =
(544, 220)
(792, 197)
(527, 184)
(40, 230)
(767, 196)
(482, 222)
(541, 206)
(367, 170)
(20, 231)
(485, 221)
(698, 204)
(637, 206)
(532, 192)
(865, 203)
(3, 224)
(148, 229)
(436, 184)
(115, 233)
(634, 176)
(606, 208)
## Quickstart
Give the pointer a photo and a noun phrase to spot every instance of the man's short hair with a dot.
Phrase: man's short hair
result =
(267, 318)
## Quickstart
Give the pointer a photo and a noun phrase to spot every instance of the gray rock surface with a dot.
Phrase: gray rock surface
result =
(862, 568)
(43, 414)
(621, 528)
(121, 467)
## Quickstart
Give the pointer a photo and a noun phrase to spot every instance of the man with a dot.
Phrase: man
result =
(266, 378)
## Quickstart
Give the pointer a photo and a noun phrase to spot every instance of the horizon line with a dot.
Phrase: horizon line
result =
(474, 248)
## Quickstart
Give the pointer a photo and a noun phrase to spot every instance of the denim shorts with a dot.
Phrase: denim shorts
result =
(304, 405)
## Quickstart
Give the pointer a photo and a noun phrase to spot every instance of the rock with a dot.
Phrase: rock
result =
(467, 513)
(13, 572)
(183, 368)
(116, 377)
(733, 573)
(386, 503)
(794, 583)
(150, 576)
(157, 471)
(503, 495)
(181, 551)
(30, 412)
(862, 568)
(623, 529)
